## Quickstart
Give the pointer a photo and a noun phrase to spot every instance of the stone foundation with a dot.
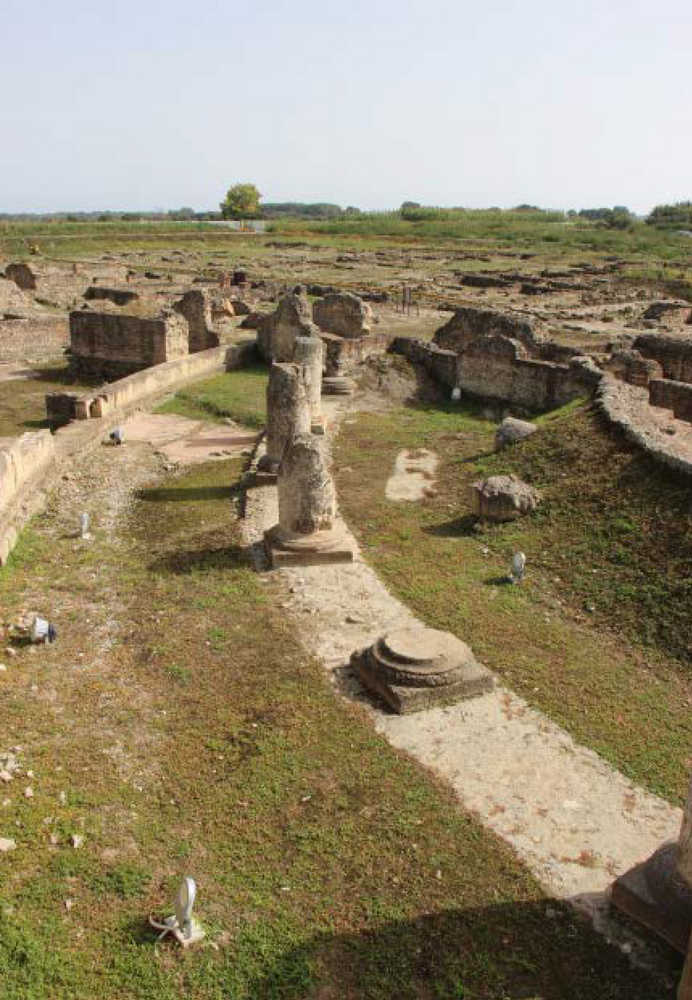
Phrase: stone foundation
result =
(670, 395)
(673, 353)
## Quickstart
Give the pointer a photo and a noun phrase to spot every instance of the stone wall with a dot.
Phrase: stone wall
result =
(133, 389)
(497, 368)
(671, 395)
(625, 406)
(673, 353)
(440, 363)
(632, 367)
(39, 339)
(32, 462)
(109, 345)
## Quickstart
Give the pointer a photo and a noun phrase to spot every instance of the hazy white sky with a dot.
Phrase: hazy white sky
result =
(138, 104)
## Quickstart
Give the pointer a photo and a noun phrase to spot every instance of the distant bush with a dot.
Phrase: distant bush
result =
(677, 216)
(618, 217)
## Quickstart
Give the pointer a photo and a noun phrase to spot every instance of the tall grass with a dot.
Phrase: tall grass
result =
(530, 230)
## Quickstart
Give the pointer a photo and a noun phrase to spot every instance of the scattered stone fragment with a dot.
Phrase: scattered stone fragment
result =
(76, 839)
(512, 430)
(7, 844)
(503, 498)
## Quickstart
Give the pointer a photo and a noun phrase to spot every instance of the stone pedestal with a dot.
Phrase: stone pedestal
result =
(288, 412)
(307, 532)
(658, 892)
(417, 667)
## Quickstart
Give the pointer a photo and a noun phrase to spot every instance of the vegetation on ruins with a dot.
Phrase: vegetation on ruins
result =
(242, 201)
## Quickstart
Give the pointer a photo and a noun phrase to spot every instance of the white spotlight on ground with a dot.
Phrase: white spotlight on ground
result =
(182, 925)
(518, 564)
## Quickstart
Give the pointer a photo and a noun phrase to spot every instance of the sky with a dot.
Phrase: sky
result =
(141, 104)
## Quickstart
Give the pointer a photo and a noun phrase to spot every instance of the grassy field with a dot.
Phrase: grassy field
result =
(242, 398)
(201, 739)
(597, 636)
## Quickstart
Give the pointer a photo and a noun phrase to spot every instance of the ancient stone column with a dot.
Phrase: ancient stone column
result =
(308, 352)
(288, 411)
(307, 501)
(307, 532)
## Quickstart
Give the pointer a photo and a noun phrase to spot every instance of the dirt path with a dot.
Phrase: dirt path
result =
(575, 821)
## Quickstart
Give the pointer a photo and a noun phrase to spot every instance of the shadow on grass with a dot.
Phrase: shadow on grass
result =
(164, 494)
(231, 557)
(522, 950)
(457, 527)
(497, 581)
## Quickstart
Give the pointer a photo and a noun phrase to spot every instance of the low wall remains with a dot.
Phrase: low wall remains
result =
(23, 463)
(342, 354)
(30, 464)
(671, 395)
(496, 367)
(625, 406)
(673, 353)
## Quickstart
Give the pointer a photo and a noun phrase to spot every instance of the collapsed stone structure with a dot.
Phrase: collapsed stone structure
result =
(22, 275)
(341, 321)
(343, 314)
(277, 332)
(118, 296)
(497, 355)
(196, 307)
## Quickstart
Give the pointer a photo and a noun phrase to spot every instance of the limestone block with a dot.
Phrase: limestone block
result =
(503, 498)
(512, 430)
(343, 313)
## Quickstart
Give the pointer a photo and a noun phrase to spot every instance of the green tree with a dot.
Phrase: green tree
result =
(241, 202)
